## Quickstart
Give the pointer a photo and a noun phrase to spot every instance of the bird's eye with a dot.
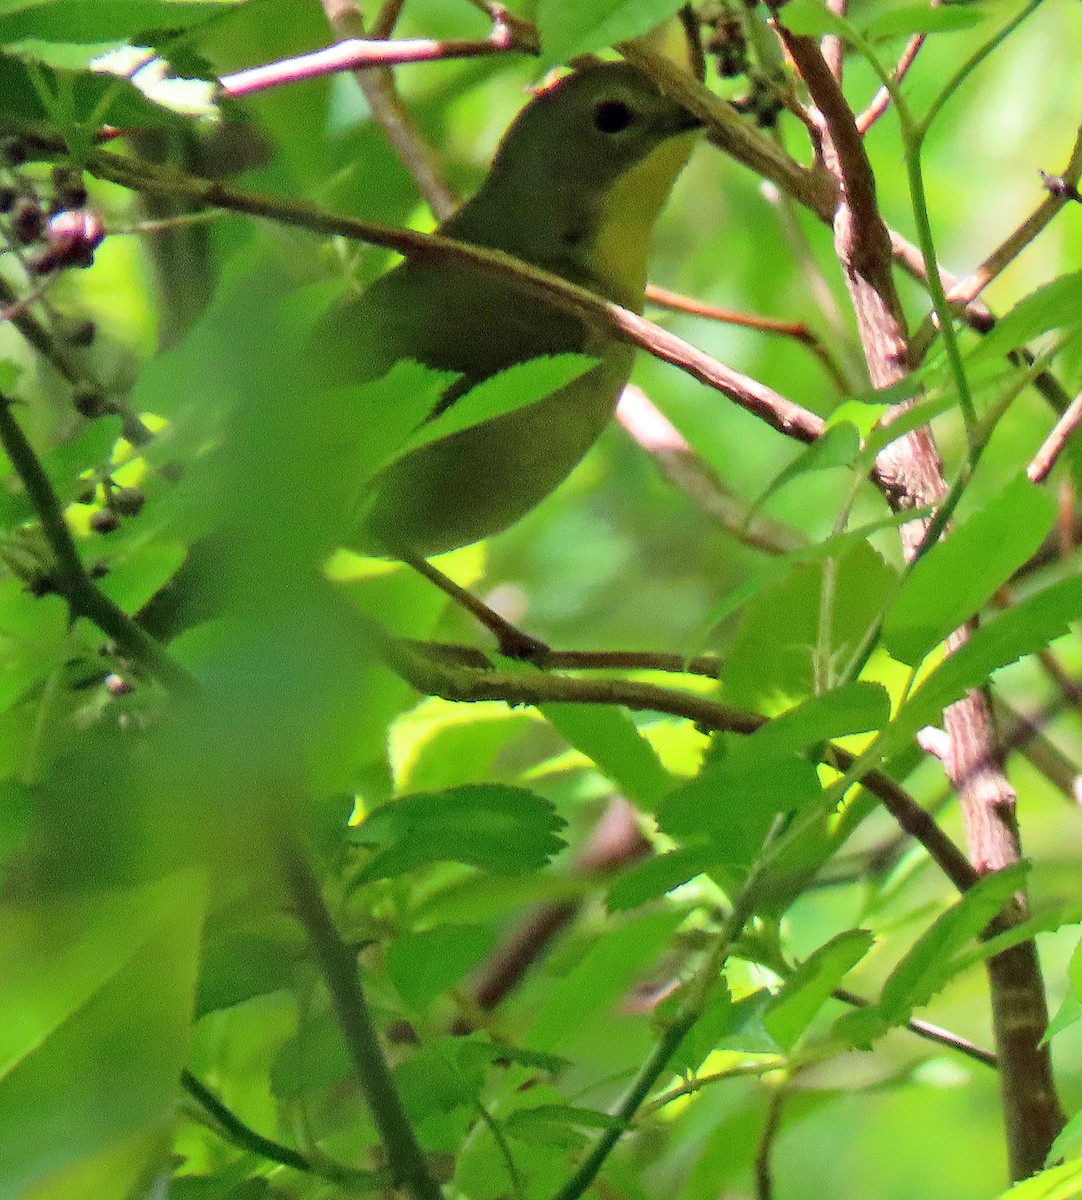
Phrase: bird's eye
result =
(612, 116)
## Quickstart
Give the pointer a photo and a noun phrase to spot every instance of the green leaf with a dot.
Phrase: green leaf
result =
(523, 384)
(659, 875)
(1045, 920)
(917, 18)
(1056, 305)
(582, 997)
(1057, 1183)
(424, 965)
(34, 639)
(736, 796)
(1068, 1143)
(771, 663)
(1069, 1013)
(812, 18)
(957, 577)
(930, 962)
(838, 446)
(568, 30)
(94, 1017)
(809, 987)
(549, 1124)
(103, 20)
(481, 1167)
(609, 738)
(503, 829)
(1024, 629)
(857, 707)
(448, 1073)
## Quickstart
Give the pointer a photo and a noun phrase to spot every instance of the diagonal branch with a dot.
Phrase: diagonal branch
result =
(911, 472)
(776, 410)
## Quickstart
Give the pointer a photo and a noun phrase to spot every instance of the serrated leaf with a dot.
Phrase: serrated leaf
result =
(960, 574)
(659, 875)
(1022, 630)
(857, 707)
(930, 962)
(497, 828)
(424, 965)
(523, 384)
(1056, 305)
(1046, 920)
(568, 30)
(609, 738)
(736, 797)
(809, 987)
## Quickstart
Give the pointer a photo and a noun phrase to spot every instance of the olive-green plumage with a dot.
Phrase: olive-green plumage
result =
(575, 188)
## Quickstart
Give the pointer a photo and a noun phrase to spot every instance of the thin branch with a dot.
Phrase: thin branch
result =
(881, 100)
(962, 292)
(777, 411)
(692, 475)
(832, 47)
(233, 1129)
(974, 61)
(764, 1183)
(70, 576)
(797, 330)
(928, 1031)
(707, 665)
(338, 965)
(390, 114)
(438, 678)
(361, 54)
(1056, 442)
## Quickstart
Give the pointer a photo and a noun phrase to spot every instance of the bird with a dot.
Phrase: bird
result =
(575, 188)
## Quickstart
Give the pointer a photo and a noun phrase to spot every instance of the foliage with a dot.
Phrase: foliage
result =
(310, 898)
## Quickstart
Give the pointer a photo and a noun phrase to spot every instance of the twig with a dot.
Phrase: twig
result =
(691, 474)
(1053, 446)
(881, 100)
(360, 54)
(70, 576)
(764, 1184)
(962, 292)
(583, 660)
(1024, 734)
(928, 1031)
(390, 114)
(797, 330)
(338, 965)
(230, 1126)
(832, 47)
